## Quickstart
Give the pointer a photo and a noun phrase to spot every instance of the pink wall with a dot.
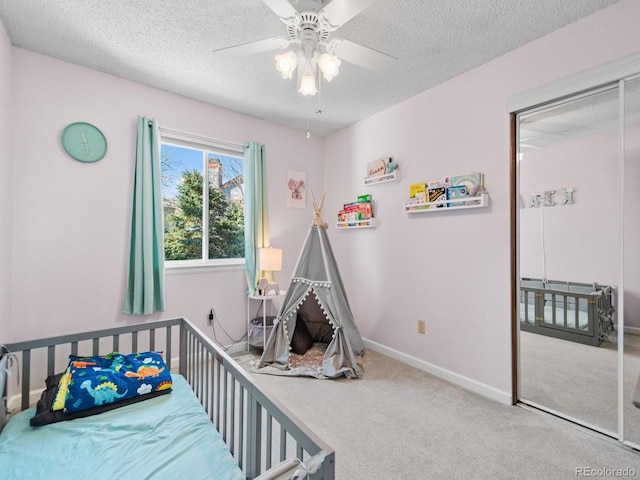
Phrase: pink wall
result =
(5, 183)
(452, 269)
(71, 220)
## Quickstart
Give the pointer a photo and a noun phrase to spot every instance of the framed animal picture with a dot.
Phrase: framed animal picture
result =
(296, 189)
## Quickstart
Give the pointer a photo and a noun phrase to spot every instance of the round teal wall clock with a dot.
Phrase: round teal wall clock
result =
(84, 142)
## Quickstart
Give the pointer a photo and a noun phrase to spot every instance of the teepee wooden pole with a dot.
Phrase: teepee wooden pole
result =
(317, 219)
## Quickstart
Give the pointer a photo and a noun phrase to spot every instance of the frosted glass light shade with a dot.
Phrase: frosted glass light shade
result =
(330, 66)
(308, 84)
(286, 64)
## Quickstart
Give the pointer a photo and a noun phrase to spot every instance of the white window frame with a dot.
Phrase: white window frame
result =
(197, 142)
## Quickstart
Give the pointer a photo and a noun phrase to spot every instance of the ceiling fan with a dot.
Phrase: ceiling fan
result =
(309, 34)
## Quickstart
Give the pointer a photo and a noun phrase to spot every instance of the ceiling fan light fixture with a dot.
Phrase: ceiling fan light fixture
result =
(286, 64)
(330, 66)
(310, 25)
(308, 84)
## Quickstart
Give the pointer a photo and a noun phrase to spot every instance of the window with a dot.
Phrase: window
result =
(198, 178)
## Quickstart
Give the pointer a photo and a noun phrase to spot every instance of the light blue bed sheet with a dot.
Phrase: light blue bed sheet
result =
(167, 437)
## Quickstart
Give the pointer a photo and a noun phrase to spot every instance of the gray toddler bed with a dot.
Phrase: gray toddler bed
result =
(261, 437)
(579, 312)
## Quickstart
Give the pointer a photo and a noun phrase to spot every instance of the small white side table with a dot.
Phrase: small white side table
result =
(268, 305)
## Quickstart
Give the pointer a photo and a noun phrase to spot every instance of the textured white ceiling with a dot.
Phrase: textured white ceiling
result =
(168, 44)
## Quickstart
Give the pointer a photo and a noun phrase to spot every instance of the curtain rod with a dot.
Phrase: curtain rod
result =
(199, 139)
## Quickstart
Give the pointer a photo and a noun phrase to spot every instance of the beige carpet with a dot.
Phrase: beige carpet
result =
(401, 423)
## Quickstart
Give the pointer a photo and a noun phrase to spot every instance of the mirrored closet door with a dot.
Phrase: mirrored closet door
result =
(577, 255)
(569, 251)
(631, 266)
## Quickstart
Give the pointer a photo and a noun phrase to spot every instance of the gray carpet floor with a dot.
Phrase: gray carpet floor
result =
(398, 422)
(581, 380)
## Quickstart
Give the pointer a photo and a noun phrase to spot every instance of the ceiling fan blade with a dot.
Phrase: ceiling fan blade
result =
(282, 8)
(339, 12)
(364, 56)
(249, 48)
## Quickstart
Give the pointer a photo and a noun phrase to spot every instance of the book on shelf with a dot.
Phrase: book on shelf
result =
(365, 211)
(418, 194)
(351, 210)
(415, 188)
(441, 182)
(474, 183)
(421, 197)
(437, 194)
(455, 192)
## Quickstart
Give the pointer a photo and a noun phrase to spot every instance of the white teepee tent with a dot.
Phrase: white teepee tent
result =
(315, 309)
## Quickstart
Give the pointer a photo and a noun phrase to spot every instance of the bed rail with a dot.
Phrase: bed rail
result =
(261, 433)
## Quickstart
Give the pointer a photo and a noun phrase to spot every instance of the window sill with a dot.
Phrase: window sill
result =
(200, 266)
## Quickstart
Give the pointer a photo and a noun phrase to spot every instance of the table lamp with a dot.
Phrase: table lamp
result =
(269, 261)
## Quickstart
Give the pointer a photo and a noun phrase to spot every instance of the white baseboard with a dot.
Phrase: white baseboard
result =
(452, 377)
(632, 330)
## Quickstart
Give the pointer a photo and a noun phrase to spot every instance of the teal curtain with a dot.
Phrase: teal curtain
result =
(256, 215)
(145, 281)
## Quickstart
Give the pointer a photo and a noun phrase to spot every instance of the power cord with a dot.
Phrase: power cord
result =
(213, 320)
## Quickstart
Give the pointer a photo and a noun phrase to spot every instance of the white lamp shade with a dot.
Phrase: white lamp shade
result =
(270, 259)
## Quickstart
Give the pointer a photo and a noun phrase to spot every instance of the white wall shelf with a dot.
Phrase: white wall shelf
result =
(370, 223)
(442, 205)
(387, 177)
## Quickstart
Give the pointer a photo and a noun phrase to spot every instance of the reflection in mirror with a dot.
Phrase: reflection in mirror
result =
(569, 257)
(631, 387)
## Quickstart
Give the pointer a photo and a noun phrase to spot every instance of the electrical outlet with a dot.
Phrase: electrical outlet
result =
(421, 327)
(210, 317)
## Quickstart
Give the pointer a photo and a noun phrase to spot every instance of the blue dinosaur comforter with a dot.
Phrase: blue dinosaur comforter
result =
(93, 381)
(169, 436)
